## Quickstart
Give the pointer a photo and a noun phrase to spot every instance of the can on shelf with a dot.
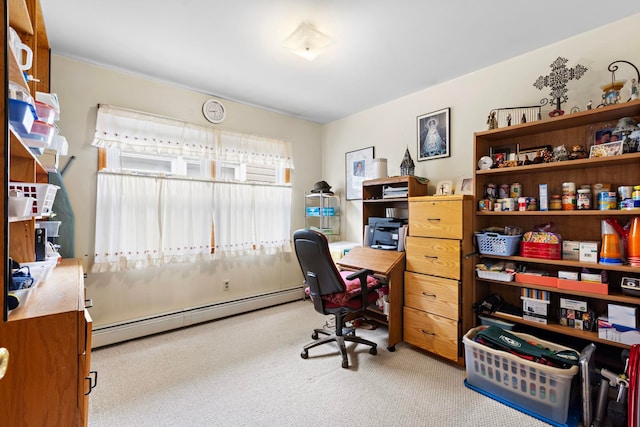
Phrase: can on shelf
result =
(522, 204)
(515, 190)
(568, 188)
(568, 202)
(607, 201)
(504, 191)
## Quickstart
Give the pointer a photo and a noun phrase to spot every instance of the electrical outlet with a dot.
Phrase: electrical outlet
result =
(225, 285)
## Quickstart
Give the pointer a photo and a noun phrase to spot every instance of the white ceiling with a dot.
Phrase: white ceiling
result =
(383, 49)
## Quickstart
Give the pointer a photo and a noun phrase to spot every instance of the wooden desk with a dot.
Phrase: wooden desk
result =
(389, 265)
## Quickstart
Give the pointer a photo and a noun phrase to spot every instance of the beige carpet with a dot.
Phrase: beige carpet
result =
(247, 371)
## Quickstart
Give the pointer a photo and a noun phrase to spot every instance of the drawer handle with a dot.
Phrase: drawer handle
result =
(431, 334)
(429, 295)
(433, 219)
(88, 303)
(93, 381)
(431, 256)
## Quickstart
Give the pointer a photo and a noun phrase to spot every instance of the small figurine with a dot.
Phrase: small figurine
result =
(509, 119)
(524, 118)
(634, 89)
(492, 121)
(589, 105)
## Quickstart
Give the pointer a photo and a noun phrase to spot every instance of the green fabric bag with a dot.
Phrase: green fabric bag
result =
(499, 339)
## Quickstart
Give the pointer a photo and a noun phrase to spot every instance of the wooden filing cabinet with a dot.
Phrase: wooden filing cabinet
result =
(439, 274)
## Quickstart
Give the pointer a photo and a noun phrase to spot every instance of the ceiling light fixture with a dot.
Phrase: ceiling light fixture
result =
(307, 42)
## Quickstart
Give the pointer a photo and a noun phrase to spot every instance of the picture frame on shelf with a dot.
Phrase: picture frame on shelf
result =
(358, 167)
(433, 135)
(444, 188)
(604, 136)
(501, 155)
(464, 186)
(614, 148)
(530, 154)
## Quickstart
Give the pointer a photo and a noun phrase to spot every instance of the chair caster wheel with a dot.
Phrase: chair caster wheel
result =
(304, 354)
(314, 335)
(345, 364)
(373, 351)
(392, 348)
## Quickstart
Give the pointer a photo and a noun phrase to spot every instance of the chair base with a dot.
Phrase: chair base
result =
(340, 340)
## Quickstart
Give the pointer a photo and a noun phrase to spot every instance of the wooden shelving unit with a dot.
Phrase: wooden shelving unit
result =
(576, 225)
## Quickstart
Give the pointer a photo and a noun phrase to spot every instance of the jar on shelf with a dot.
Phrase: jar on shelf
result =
(555, 204)
(583, 201)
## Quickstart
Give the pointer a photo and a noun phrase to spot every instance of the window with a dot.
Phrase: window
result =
(165, 185)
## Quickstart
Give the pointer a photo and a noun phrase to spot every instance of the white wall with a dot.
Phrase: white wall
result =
(391, 127)
(130, 295)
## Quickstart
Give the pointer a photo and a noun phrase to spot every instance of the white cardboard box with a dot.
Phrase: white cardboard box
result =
(616, 333)
(588, 252)
(573, 304)
(570, 250)
(623, 315)
(535, 306)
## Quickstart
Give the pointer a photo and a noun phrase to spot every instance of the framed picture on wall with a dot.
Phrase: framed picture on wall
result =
(433, 135)
(358, 167)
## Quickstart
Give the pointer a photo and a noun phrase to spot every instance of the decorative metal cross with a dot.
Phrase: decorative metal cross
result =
(557, 80)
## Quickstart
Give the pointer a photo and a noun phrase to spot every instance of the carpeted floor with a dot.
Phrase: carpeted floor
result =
(247, 371)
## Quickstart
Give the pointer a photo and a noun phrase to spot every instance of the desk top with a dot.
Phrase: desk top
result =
(378, 260)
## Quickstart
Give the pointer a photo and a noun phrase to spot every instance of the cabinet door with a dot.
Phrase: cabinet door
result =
(431, 294)
(436, 218)
(433, 333)
(84, 363)
(437, 257)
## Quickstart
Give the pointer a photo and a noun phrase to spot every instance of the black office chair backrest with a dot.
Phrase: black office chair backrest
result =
(320, 273)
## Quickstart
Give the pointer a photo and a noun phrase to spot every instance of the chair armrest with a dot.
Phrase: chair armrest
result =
(364, 289)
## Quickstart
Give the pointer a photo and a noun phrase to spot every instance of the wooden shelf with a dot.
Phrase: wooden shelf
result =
(559, 329)
(568, 263)
(616, 297)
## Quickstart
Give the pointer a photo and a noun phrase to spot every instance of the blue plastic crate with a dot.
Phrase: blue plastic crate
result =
(498, 244)
(21, 116)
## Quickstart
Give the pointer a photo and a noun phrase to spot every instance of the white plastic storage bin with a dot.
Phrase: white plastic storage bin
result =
(541, 389)
(44, 194)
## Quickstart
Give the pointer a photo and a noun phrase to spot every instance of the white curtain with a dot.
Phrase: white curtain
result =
(138, 131)
(252, 219)
(127, 222)
(186, 220)
(273, 219)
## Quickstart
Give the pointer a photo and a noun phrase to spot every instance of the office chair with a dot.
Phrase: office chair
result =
(331, 293)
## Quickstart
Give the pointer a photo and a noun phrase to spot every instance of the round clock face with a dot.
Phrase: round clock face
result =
(485, 162)
(214, 111)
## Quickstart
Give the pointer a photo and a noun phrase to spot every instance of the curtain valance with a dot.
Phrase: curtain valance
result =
(137, 131)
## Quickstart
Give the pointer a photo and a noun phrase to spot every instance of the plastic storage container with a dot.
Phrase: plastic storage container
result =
(541, 389)
(44, 194)
(45, 113)
(50, 226)
(40, 136)
(498, 244)
(21, 116)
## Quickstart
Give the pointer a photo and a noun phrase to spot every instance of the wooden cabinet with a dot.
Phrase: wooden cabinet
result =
(48, 335)
(439, 274)
(573, 225)
(376, 198)
(49, 342)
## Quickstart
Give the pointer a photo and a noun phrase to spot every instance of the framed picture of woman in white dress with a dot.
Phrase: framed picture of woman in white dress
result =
(433, 135)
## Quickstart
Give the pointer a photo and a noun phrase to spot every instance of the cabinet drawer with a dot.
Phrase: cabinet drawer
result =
(433, 333)
(436, 219)
(431, 294)
(438, 257)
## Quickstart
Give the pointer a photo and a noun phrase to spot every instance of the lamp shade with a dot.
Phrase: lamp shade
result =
(307, 42)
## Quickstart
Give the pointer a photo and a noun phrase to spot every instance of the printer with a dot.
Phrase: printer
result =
(383, 233)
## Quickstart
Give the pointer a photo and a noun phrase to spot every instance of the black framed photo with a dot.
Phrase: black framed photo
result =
(433, 135)
(358, 167)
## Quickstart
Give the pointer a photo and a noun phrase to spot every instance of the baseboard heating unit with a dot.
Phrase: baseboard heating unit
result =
(124, 331)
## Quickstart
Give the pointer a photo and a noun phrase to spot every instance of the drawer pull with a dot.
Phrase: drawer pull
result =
(431, 334)
(93, 381)
(433, 219)
(88, 303)
(429, 295)
(431, 257)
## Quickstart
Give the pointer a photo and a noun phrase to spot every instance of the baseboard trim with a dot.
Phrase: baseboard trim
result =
(125, 331)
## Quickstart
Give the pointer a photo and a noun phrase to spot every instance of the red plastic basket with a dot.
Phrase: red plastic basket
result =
(541, 250)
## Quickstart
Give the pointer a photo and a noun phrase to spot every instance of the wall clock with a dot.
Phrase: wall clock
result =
(214, 111)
